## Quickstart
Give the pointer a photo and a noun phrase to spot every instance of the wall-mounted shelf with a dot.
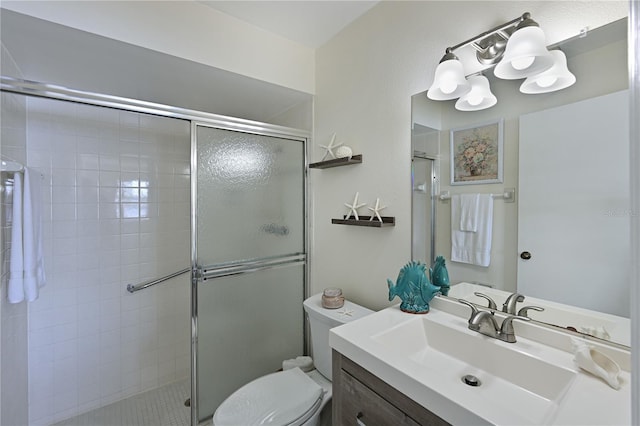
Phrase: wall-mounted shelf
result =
(364, 221)
(337, 162)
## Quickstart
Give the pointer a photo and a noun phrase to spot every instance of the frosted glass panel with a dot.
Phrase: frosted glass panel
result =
(250, 205)
(247, 325)
(250, 196)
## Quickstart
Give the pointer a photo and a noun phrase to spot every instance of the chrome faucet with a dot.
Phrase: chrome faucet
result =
(523, 312)
(509, 306)
(507, 333)
(484, 323)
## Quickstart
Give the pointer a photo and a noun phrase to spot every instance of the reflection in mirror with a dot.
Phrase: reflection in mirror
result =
(595, 277)
(601, 325)
(425, 141)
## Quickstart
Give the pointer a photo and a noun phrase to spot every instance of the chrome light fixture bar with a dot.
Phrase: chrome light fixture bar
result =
(517, 49)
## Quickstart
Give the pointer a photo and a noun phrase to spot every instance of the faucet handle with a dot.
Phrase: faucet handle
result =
(523, 311)
(492, 303)
(507, 333)
(474, 309)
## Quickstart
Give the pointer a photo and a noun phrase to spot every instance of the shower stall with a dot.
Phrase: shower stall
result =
(176, 252)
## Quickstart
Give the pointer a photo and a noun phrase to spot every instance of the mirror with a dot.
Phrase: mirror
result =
(599, 61)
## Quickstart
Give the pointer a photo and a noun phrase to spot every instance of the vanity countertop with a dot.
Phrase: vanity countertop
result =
(389, 345)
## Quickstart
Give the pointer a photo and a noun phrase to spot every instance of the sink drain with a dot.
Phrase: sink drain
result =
(471, 380)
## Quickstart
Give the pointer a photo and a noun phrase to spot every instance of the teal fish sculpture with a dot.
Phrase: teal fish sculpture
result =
(440, 276)
(414, 288)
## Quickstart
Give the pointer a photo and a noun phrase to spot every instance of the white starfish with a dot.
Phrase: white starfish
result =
(330, 147)
(353, 208)
(375, 211)
(345, 312)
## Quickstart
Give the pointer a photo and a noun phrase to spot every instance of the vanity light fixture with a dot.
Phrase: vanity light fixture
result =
(526, 52)
(450, 81)
(517, 49)
(557, 77)
(479, 97)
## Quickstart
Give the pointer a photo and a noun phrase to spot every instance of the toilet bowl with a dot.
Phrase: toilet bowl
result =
(292, 397)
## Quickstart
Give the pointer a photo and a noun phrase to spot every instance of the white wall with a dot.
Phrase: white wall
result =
(366, 76)
(189, 30)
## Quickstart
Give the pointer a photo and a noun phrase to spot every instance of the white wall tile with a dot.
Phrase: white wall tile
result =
(87, 194)
(62, 176)
(102, 232)
(87, 161)
(62, 212)
(63, 159)
(66, 349)
(39, 159)
(87, 178)
(64, 332)
(64, 229)
(62, 314)
(109, 179)
(87, 211)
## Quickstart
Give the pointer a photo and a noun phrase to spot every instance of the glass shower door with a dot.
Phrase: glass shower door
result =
(249, 250)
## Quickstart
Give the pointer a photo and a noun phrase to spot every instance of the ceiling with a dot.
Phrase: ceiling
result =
(310, 23)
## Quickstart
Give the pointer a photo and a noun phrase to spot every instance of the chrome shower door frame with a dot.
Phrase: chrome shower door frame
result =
(199, 272)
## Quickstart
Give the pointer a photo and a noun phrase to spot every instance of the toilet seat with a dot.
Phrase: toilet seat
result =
(284, 398)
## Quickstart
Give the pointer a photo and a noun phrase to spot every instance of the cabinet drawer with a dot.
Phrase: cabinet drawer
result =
(362, 399)
(363, 407)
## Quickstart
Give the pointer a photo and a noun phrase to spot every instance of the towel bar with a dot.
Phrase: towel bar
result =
(509, 195)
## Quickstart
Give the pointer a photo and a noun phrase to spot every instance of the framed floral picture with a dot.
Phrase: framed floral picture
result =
(476, 154)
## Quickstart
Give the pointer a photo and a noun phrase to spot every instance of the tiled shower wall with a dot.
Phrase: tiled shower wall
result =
(13, 317)
(116, 202)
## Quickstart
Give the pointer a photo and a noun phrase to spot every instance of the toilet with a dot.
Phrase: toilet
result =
(292, 397)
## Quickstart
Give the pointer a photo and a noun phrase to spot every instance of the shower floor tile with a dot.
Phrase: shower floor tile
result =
(159, 407)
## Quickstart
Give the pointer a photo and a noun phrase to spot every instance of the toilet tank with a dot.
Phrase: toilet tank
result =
(321, 320)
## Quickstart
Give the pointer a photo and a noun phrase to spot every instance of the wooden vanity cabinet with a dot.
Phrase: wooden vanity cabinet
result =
(362, 399)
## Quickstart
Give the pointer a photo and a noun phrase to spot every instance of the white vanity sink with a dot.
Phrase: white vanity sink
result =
(510, 379)
(529, 382)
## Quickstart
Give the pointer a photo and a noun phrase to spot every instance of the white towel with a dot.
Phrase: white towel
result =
(469, 212)
(27, 262)
(472, 247)
(15, 291)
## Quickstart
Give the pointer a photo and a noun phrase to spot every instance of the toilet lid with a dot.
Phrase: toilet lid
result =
(275, 399)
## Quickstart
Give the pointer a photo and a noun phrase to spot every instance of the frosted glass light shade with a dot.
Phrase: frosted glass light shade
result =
(479, 97)
(557, 77)
(449, 81)
(526, 54)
